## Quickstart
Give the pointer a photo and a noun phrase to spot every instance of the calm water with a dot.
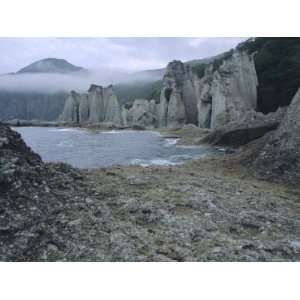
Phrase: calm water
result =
(91, 149)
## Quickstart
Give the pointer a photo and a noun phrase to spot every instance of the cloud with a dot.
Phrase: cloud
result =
(130, 54)
(79, 81)
(109, 60)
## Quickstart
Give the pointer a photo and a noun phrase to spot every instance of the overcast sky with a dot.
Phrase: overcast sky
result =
(130, 54)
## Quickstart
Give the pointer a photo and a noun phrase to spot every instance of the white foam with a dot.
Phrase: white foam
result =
(170, 142)
(140, 162)
(182, 156)
(154, 162)
(63, 129)
(162, 162)
(112, 132)
(191, 146)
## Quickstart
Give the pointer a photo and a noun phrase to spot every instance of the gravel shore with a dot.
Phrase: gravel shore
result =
(204, 210)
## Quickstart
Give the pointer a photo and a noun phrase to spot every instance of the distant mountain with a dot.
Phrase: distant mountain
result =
(50, 65)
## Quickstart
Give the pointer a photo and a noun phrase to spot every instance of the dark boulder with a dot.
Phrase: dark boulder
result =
(254, 125)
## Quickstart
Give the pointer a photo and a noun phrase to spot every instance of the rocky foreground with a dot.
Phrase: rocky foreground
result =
(205, 210)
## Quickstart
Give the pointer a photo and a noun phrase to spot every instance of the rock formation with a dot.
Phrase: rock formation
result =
(178, 104)
(280, 157)
(223, 93)
(71, 109)
(99, 105)
(142, 113)
(233, 89)
(251, 126)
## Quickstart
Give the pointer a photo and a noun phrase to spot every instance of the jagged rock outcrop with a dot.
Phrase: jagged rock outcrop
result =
(178, 103)
(31, 195)
(99, 105)
(280, 157)
(142, 114)
(224, 91)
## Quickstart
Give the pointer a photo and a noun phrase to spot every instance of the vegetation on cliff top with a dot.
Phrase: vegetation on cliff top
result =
(277, 62)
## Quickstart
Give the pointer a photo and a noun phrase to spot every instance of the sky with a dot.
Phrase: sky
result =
(127, 54)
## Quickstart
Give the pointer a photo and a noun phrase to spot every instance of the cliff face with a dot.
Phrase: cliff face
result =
(223, 93)
(178, 103)
(29, 106)
(100, 104)
(277, 63)
(233, 89)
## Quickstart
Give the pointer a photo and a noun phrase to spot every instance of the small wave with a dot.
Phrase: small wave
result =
(153, 162)
(140, 162)
(182, 157)
(63, 129)
(170, 142)
(162, 162)
(194, 147)
(111, 132)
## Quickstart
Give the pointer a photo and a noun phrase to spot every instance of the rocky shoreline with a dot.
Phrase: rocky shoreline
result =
(204, 210)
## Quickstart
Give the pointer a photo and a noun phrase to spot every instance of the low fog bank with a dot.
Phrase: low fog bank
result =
(79, 81)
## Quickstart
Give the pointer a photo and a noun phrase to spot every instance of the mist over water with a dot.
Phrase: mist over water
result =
(78, 81)
(93, 149)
